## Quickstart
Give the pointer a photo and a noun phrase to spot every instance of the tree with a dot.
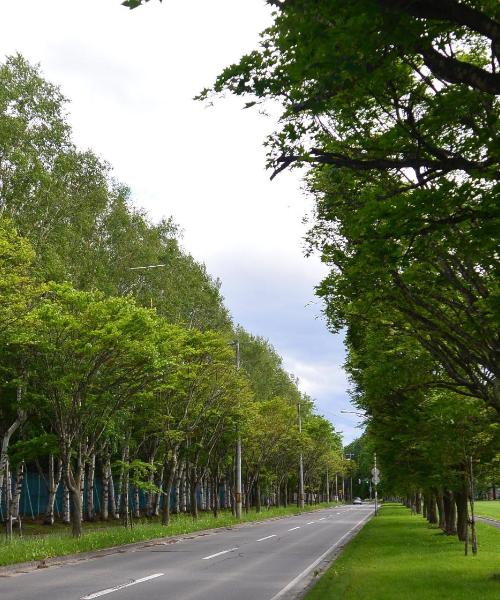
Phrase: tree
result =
(393, 105)
(18, 293)
(92, 357)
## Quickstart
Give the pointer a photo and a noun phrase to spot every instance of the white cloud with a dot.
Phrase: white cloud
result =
(131, 76)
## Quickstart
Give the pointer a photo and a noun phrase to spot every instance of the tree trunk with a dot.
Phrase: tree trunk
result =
(106, 480)
(461, 504)
(137, 503)
(193, 487)
(19, 420)
(76, 515)
(216, 496)
(8, 500)
(114, 506)
(52, 484)
(74, 483)
(450, 513)
(441, 512)
(418, 503)
(178, 489)
(158, 495)
(258, 505)
(165, 513)
(90, 488)
(124, 491)
(18, 486)
(66, 511)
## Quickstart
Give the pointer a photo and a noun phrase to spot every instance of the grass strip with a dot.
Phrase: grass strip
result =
(399, 556)
(488, 508)
(101, 535)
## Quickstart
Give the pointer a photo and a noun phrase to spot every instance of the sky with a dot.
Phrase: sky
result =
(131, 77)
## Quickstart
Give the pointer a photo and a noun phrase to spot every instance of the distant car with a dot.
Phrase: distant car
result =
(357, 501)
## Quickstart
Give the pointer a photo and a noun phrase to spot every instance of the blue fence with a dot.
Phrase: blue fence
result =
(35, 495)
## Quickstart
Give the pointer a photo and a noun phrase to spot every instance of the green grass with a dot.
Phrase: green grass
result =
(41, 542)
(488, 508)
(399, 556)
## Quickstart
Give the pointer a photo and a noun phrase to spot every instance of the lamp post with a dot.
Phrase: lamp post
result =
(301, 461)
(238, 492)
(145, 267)
(350, 455)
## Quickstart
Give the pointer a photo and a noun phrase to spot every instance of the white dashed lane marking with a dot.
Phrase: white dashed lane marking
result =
(294, 528)
(219, 553)
(266, 538)
(120, 587)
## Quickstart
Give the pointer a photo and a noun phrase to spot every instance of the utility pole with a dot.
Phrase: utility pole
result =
(327, 486)
(238, 493)
(301, 462)
(375, 474)
(350, 455)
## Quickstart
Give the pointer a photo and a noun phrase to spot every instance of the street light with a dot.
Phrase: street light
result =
(353, 412)
(350, 455)
(301, 460)
(146, 267)
(238, 493)
(143, 267)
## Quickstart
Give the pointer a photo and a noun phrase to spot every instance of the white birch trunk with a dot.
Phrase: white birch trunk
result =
(137, 507)
(105, 473)
(52, 485)
(66, 511)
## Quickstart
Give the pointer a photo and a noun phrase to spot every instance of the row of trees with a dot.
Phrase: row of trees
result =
(393, 108)
(123, 373)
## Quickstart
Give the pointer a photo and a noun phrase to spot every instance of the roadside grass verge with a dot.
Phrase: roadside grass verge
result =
(487, 508)
(399, 556)
(98, 535)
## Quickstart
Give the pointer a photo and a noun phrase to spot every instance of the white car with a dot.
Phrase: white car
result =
(357, 501)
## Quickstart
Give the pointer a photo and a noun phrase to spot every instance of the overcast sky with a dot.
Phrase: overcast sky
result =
(131, 77)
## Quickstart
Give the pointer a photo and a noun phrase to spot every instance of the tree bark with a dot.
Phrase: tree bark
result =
(105, 487)
(172, 472)
(193, 487)
(18, 422)
(450, 513)
(124, 491)
(441, 512)
(66, 512)
(90, 488)
(461, 504)
(52, 484)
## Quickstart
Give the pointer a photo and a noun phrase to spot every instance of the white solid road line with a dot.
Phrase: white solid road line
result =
(120, 587)
(308, 569)
(219, 553)
(267, 537)
(294, 528)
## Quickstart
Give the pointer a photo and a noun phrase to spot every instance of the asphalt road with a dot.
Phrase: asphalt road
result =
(270, 560)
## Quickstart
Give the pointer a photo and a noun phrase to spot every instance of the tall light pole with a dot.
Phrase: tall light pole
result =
(144, 267)
(238, 492)
(350, 455)
(301, 461)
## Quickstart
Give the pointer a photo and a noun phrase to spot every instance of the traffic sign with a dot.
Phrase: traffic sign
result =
(375, 472)
(376, 479)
